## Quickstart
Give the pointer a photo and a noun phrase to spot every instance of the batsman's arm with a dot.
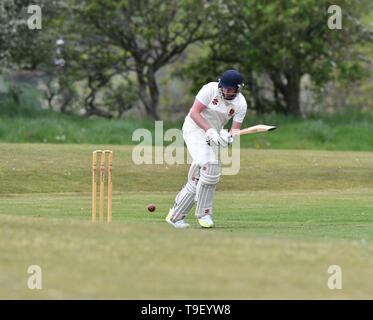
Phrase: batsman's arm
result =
(235, 128)
(195, 114)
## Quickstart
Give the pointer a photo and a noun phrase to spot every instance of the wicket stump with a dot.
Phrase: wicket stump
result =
(102, 154)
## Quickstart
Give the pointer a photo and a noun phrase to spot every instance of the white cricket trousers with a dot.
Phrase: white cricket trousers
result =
(198, 148)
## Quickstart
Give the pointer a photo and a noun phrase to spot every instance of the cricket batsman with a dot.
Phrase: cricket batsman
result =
(215, 104)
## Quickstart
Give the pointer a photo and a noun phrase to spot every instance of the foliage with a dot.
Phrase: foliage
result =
(286, 40)
(35, 49)
(10, 14)
(92, 62)
(125, 44)
(154, 32)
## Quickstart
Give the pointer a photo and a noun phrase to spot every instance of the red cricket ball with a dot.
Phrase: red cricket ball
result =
(151, 207)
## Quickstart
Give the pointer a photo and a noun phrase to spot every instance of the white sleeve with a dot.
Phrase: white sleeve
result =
(240, 115)
(206, 94)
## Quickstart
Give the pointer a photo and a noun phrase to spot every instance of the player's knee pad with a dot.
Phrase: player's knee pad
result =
(209, 177)
(210, 173)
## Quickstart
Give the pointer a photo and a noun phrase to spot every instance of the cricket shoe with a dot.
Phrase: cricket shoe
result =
(181, 224)
(206, 221)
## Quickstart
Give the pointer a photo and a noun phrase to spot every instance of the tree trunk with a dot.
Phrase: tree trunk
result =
(49, 96)
(89, 103)
(290, 90)
(292, 93)
(278, 106)
(154, 94)
(148, 89)
(142, 87)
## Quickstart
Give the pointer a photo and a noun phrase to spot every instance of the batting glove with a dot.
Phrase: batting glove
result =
(212, 136)
(226, 137)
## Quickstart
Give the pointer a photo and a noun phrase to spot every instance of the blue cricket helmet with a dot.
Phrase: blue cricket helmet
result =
(231, 79)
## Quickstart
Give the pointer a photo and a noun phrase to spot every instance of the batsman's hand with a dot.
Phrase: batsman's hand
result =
(221, 139)
(212, 136)
(226, 137)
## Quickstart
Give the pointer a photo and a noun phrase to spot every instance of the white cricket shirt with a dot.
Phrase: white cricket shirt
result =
(218, 111)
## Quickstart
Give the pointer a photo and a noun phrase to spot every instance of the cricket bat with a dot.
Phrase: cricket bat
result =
(254, 129)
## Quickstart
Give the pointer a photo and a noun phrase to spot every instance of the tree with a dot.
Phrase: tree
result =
(6, 14)
(93, 61)
(11, 21)
(121, 96)
(11, 12)
(154, 32)
(286, 39)
(35, 49)
(65, 54)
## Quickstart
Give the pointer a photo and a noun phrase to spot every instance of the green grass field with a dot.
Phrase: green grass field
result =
(351, 131)
(280, 224)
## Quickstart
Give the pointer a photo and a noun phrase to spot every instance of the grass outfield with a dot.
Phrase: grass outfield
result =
(280, 224)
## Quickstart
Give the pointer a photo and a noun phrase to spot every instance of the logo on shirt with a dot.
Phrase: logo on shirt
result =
(231, 112)
(215, 101)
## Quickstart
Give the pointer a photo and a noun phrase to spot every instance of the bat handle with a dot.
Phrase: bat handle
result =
(235, 132)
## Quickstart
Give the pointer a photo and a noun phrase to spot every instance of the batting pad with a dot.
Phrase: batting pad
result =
(184, 200)
(209, 177)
